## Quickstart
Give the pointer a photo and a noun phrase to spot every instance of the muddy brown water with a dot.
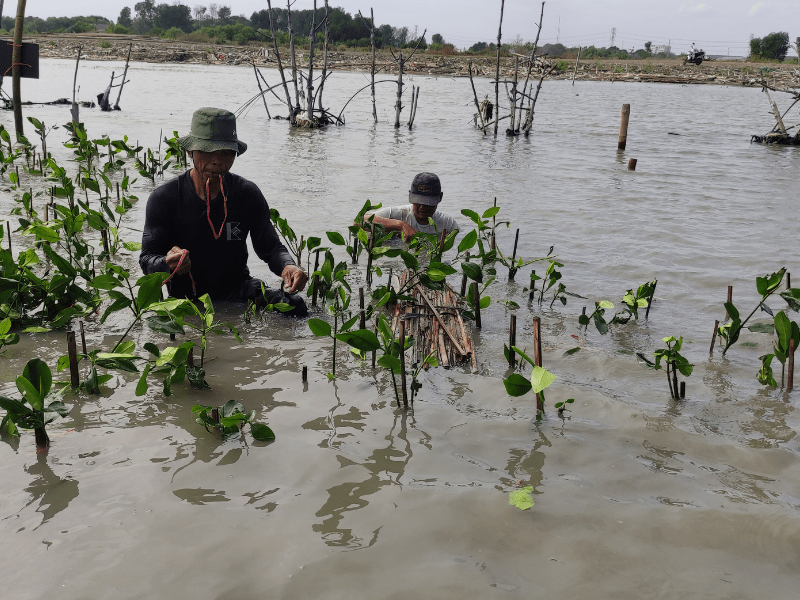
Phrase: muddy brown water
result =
(636, 495)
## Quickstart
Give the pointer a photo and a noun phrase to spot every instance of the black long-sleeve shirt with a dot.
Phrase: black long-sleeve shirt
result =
(176, 216)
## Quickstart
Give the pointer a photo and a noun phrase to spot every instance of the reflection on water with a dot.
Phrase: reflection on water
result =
(52, 493)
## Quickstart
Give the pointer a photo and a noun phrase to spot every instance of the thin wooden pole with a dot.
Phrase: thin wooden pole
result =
(464, 280)
(316, 286)
(730, 300)
(399, 104)
(72, 352)
(83, 339)
(512, 341)
(305, 373)
(533, 286)
(74, 107)
(261, 90)
(683, 390)
(632, 164)
(790, 383)
(497, 71)
(788, 281)
(374, 353)
(623, 127)
(104, 236)
(511, 273)
(363, 323)
(650, 299)
(402, 341)
(8, 229)
(514, 96)
(575, 72)
(714, 337)
(16, 67)
(537, 357)
(124, 74)
(280, 64)
(477, 104)
(476, 298)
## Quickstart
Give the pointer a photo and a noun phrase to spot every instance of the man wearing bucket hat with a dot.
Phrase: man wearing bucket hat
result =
(196, 225)
(424, 197)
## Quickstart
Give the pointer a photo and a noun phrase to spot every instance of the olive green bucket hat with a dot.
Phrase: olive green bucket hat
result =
(213, 129)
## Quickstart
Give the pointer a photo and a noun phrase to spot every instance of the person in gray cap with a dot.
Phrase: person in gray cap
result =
(196, 226)
(424, 197)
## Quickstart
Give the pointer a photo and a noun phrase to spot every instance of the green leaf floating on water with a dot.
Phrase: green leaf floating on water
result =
(522, 499)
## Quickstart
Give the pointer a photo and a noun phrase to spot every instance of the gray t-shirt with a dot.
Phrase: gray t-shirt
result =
(406, 213)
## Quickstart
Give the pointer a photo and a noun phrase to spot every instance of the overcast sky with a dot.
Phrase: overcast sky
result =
(715, 25)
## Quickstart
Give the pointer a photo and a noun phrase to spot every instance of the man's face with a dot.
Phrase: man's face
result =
(209, 164)
(422, 212)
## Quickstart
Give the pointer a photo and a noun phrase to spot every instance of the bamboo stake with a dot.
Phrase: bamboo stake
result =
(8, 229)
(292, 55)
(375, 331)
(477, 104)
(363, 322)
(650, 300)
(714, 337)
(414, 104)
(512, 341)
(575, 72)
(83, 339)
(497, 73)
(511, 274)
(399, 104)
(476, 299)
(402, 340)
(537, 357)
(683, 390)
(514, 96)
(439, 318)
(533, 286)
(464, 280)
(72, 352)
(104, 236)
(305, 374)
(730, 300)
(316, 286)
(623, 127)
(16, 67)
(790, 383)
(632, 164)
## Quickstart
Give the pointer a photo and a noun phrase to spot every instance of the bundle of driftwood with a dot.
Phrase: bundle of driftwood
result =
(780, 133)
(434, 320)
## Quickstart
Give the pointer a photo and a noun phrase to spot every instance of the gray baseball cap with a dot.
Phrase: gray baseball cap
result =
(213, 129)
(425, 189)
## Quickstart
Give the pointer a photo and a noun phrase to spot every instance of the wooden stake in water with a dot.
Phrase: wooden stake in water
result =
(104, 236)
(118, 193)
(72, 352)
(788, 281)
(375, 331)
(476, 298)
(190, 358)
(512, 341)
(632, 164)
(533, 286)
(464, 280)
(714, 337)
(8, 229)
(790, 382)
(305, 373)
(512, 274)
(402, 341)
(683, 390)
(83, 339)
(537, 357)
(363, 321)
(650, 299)
(316, 287)
(623, 127)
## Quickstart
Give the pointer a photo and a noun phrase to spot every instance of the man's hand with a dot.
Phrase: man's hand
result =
(406, 230)
(174, 257)
(294, 279)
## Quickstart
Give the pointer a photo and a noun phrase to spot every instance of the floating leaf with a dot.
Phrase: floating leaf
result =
(761, 327)
(571, 351)
(522, 499)
(261, 432)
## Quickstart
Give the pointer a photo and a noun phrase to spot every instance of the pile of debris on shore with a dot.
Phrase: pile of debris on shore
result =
(156, 50)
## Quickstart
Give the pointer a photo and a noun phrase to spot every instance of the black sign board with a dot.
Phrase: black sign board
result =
(30, 59)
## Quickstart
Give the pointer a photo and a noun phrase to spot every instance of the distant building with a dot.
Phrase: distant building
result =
(664, 49)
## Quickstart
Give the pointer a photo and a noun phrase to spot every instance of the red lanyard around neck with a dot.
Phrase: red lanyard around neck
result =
(208, 208)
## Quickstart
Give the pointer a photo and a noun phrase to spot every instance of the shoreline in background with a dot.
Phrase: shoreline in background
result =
(98, 46)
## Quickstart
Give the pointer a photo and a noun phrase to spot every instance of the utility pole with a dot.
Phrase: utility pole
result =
(613, 35)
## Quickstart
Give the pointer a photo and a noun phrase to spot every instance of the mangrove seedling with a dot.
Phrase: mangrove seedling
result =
(6, 338)
(597, 316)
(429, 360)
(230, 418)
(631, 303)
(516, 385)
(786, 331)
(673, 361)
(562, 406)
(39, 406)
(766, 286)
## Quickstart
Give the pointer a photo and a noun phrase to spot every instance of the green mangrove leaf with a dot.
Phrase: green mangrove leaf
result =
(792, 297)
(261, 432)
(522, 499)
(541, 379)
(516, 385)
(319, 327)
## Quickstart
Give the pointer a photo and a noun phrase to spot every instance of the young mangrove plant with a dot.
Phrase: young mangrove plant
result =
(766, 286)
(230, 418)
(674, 362)
(631, 303)
(7, 338)
(786, 331)
(516, 385)
(40, 404)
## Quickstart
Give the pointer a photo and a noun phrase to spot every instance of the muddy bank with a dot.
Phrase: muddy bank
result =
(156, 50)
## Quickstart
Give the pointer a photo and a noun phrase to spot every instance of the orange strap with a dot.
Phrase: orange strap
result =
(180, 262)
(208, 208)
